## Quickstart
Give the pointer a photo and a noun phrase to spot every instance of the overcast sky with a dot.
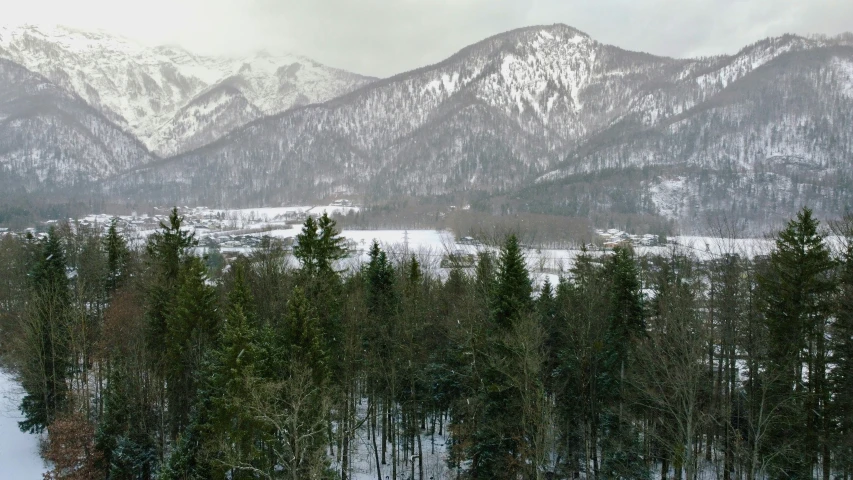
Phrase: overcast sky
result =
(384, 37)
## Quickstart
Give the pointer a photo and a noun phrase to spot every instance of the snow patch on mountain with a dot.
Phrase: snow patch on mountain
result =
(668, 196)
(844, 69)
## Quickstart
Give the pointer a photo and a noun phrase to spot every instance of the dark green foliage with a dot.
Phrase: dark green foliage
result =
(319, 245)
(117, 257)
(47, 366)
(512, 291)
(166, 251)
(842, 375)
(189, 461)
(582, 313)
(498, 442)
(381, 295)
(129, 452)
(629, 365)
(192, 327)
(795, 290)
(233, 430)
(626, 310)
(302, 341)
(318, 248)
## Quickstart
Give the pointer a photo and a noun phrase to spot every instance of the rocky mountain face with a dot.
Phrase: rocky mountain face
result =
(542, 119)
(171, 99)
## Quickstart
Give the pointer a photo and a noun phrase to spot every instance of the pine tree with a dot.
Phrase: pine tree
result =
(497, 448)
(122, 437)
(303, 338)
(234, 433)
(298, 412)
(192, 328)
(306, 248)
(795, 290)
(117, 257)
(47, 363)
(166, 251)
(319, 245)
(331, 245)
(842, 375)
(381, 294)
(626, 322)
(512, 295)
(626, 325)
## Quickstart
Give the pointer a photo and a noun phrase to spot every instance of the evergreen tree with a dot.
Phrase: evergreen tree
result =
(842, 375)
(47, 364)
(117, 256)
(512, 296)
(234, 433)
(128, 451)
(303, 338)
(625, 326)
(166, 250)
(497, 444)
(298, 413)
(796, 289)
(582, 309)
(190, 460)
(192, 328)
(626, 322)
(381, 294)
(306, 248)
(319, 245)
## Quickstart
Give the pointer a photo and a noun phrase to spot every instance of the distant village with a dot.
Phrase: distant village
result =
(235, 230)
(613, 238)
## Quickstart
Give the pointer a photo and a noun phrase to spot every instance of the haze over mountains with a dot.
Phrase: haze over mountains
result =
(542, 119)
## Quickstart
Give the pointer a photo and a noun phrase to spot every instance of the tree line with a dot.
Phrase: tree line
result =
(142, 363)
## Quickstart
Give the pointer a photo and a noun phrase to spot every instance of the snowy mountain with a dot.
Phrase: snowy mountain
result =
(556, 117)
(493, 116)
(160, 94)
(51, 141)
(543, 119)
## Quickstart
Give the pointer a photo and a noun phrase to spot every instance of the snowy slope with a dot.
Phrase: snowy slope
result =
(19, 452)
(492, 117)
(52, 141)
(143, 89)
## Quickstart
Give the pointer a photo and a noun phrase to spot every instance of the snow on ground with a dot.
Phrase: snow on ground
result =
(19, 455)
(363, 457)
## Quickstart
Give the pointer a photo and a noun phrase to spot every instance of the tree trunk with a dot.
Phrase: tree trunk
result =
(420, 458)
(376, 449)
(345, 425)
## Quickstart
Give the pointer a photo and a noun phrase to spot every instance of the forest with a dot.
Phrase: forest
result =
(151, 361)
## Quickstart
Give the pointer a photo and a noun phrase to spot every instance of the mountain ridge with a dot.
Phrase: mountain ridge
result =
(142, 88)
(516, 120)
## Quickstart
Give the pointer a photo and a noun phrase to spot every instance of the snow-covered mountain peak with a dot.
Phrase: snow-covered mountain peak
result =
(144, 89)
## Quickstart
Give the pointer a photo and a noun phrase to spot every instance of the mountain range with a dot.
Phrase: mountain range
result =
(542, 119)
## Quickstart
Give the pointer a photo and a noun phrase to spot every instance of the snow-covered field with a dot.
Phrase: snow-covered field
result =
(19, 456)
